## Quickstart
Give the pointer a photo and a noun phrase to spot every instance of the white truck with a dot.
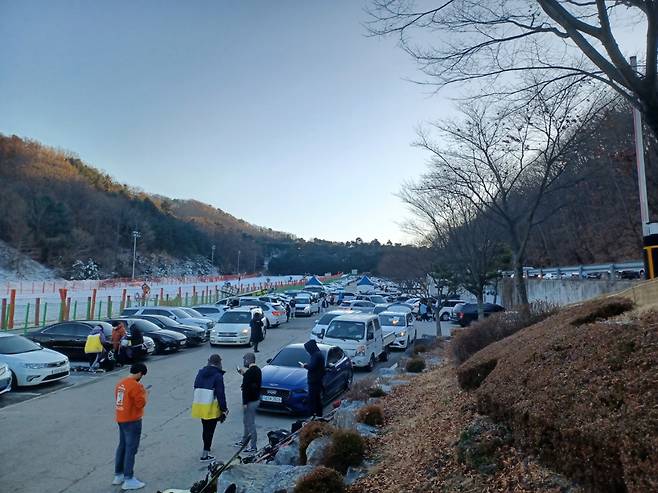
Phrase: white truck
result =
(361, 337)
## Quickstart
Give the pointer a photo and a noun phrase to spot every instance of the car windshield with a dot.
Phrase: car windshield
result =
(290, 356)
(378, 299)
(203, 310)
(16, 345)
(180, 313)
(392, 320)
(129, 311)
(192, 312)
(342, 329)
(328, 317)
(235, 318)
(303, 301)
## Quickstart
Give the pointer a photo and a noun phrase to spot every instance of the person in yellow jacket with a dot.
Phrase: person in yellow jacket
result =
(95, 346)
(209, 402)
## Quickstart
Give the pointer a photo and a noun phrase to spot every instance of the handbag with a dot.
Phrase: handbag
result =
(93, 344)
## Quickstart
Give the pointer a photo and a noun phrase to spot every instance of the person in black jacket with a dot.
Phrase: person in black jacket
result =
(251, 381)
(314, 377)
(256, 325)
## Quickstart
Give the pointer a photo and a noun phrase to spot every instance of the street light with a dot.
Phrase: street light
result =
(135, 234)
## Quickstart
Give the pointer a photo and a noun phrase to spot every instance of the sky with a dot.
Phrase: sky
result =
(285, 114)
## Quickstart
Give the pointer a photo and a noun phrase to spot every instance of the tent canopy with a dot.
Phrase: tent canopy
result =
(314, 281)
(364, 281)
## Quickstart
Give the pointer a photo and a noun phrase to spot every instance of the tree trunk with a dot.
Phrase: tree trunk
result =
(520, 288)
(480, 298)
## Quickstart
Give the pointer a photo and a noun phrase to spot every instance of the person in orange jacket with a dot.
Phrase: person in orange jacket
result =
(130, 399)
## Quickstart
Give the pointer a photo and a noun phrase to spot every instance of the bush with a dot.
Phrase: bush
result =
(376, 392)
(420, 348)
(347, 449)
(415, 365)
(603, 309)
(480, 334)
(360, 390)
(320, 480)
(311, 431)
(371, 415)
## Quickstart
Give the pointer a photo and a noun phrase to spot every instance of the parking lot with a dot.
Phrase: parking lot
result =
(63, 435)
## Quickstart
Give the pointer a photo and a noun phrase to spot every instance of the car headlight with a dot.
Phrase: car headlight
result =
(245, 331)
(35, 366)
(402, 333)
(360, 350)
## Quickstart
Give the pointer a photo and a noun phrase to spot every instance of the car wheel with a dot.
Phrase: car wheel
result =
(445, 317)
(371, 363)
(14, 381)
(158, 348)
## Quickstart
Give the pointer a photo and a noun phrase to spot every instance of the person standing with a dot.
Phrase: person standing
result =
(292, 308)
(315, 377)
(95, 346)
(118, 333)
(251, 382)
(209, 402)
(130, 400)
(287, 312)
(422, 310)
(256, 326)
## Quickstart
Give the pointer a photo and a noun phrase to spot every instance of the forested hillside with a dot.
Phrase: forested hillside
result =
(59, 210)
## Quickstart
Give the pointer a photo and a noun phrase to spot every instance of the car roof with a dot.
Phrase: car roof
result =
(300, 345)
(391, 312)
(242, 309)
(356, 317)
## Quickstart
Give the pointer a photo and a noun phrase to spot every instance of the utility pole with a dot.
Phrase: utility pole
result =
(239, 277)
(649, 229)
(135, 234)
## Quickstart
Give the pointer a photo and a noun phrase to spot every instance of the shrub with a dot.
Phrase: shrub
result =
(420, 348)
(603, 309)
(311, 431)
(320, 480)
(415, 365)
(371, 415)
(347, 449)
(376, 392)
(480, 334)
(360, 390)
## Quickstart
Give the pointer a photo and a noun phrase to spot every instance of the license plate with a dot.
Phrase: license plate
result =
(270, 398)
(226, 339)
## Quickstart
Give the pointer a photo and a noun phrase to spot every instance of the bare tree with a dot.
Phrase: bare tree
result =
(507, 163)
(467, 245)
(467, 40)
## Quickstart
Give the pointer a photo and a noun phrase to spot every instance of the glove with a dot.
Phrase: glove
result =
(222, 417)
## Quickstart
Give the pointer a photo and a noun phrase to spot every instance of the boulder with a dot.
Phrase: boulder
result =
(366, 431)
(345, 416)
(354, 474)
(316, 450)
(264, 478)
(287, 455)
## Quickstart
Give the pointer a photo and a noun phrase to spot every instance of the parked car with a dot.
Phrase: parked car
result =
(401, 324)
(400, 307)
(213, 312)
(375, 298)
(5, 378)
(306, 306)
(29, 363)
(284, 386)
(361, 337)
(70, 338)
(380, 307)
(318, 330)
(173, 313)
(363, 306)
(446, 309)
(195, 335)
(234, 327)
(468, 312)
(274, 314)
(165, 340)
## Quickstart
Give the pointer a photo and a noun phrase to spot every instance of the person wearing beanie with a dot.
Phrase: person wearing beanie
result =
(209, 402)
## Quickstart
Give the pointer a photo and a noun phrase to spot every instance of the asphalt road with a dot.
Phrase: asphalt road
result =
(61, 437)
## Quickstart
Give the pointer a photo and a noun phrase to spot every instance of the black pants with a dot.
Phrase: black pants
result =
(209, 426)
(315, 400)
(254, 344)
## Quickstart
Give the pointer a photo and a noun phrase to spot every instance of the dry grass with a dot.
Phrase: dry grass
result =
(372, 415)
(321, 480)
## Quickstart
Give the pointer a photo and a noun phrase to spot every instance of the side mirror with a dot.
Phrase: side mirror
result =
(268, 360)
(331, 366)
(322, 334)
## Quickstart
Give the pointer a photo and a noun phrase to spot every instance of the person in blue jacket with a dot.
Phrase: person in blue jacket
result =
(209, 402)
(315, 377)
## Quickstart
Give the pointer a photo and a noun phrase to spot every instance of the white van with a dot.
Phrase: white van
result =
(401, 325)
(360, 336)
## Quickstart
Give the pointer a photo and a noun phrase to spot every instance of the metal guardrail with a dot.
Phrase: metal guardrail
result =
(582, 270)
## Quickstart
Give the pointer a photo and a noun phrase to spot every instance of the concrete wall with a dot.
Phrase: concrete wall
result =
(564, 291)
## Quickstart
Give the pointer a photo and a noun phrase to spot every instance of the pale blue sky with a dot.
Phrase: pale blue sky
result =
(281, 113)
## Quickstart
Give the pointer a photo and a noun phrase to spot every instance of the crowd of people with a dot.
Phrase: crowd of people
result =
(121, 348)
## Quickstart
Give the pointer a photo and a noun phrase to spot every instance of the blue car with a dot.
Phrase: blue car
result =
(284, 387)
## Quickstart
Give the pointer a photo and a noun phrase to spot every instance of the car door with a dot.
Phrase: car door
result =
(371, 344)
(58, 337)
(332, 376)
(79, 339)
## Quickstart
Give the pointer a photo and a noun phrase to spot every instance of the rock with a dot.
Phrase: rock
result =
(354, 474)
(366, 430)
(264, 478)
(316, 450)
(287, 455)
(388, 372)
(345, 416)
(479, 443)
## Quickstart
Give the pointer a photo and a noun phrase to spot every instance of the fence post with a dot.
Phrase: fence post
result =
(37, 309)
(68, 308)
(3, 314)
(45, 310)
(161, 294)
(123, 298)
(100, 307)
(186, 303)
(109, 307)
(75, 309)
(157, 303)
(27, 318)
(128, 303)
(93, 302)
(12, 308)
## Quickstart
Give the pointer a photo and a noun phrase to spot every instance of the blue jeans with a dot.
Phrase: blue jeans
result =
(129, 434)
